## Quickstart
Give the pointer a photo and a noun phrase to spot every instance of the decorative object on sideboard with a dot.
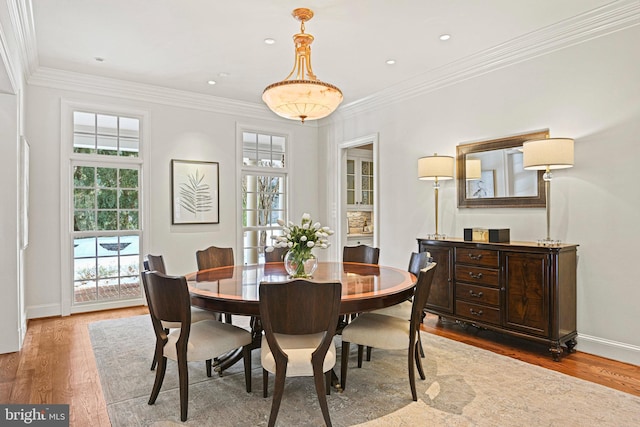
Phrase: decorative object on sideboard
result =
(491, 235)
(436, 168)
(547, 154)
(301, 96)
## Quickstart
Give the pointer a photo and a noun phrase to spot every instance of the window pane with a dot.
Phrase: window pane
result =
(129, 220)
(107, 199)
(81, 141)
(128, 178)
(84, 269)
(84, 176)
(129, 265)
(84, 122)
(129, 127)
(107, 177)
(107, 220)
(85, 291)
(84, 199)
(107, 125)
(107, 145)
(84, 220)
(128, 199)
(129, 146)
(84, 248)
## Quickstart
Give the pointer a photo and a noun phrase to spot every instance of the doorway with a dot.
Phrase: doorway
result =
(358, 201)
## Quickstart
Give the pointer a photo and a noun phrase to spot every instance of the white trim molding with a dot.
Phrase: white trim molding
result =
(610, 349)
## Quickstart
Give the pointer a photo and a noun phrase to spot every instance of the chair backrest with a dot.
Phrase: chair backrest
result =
(421, 295)
(276, 255)
(155, 263)
(417, 262)
(361, 253)
(299, 307)
(168, 299)
(214, 257)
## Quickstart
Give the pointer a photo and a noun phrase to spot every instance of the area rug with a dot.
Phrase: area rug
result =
(465, 386)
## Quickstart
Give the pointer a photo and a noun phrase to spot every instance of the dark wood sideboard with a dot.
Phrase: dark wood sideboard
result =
(519, 288)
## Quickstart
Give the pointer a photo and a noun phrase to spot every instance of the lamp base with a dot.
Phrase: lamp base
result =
(436, 236)
(548, 242)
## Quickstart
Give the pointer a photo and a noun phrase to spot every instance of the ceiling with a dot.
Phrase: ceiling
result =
(182, 44)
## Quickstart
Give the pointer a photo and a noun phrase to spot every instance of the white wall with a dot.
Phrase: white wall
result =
(175, 133)
(589, 92)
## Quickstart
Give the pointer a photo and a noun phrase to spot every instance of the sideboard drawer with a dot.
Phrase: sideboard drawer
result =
(480, 275)
(484, 257)
(479, 313)
(478, 294)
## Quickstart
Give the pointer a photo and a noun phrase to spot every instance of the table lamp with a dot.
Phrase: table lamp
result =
(548, 154)
(436, 168)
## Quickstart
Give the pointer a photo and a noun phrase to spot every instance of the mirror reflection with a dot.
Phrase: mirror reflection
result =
(490, 174)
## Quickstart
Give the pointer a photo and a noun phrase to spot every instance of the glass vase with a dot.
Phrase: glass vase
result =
(300, 265)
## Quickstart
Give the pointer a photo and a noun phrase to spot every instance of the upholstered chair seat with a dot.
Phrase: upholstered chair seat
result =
(298, 349)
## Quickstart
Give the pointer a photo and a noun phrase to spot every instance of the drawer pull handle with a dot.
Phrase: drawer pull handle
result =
(475, 313)
(475, 276)
(473, 294)
(475, 257)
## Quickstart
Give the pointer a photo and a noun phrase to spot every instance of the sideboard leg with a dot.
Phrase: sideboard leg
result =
(571, 344)
(556, 352)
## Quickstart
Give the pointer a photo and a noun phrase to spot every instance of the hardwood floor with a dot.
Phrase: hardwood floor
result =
(56, 364)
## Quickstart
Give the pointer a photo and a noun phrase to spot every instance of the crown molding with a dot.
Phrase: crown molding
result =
(613, 17)
(21, 15)
(68, 80)
(599, 22)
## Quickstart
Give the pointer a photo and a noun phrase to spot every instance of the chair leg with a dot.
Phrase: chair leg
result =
(360, 349)
(344, 361)
(420, 344)
(154, 362)
(162, 368)
(278, 391)
(318, 377)
(412, 373)
(227, 318)
(183, 375)
(265, 382)
(368, 354)
(327, 381)
(246, 353)
(419, 364)
(208, 364)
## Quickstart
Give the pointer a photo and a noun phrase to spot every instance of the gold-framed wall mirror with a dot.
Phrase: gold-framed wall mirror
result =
(490, 174)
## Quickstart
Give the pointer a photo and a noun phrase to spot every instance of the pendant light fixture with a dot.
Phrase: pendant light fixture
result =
(301, 96)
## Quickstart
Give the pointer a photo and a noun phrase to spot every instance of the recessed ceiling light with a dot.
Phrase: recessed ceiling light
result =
(269, 41)
(444, 37)
(99, 59)
(223, 74)
(391, 61)
(211, 82)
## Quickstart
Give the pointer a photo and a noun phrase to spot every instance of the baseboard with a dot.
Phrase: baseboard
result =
(44, 310)
(622, 352)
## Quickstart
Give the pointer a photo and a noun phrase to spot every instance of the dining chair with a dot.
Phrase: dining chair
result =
(299, 318)
(276, 255)
(214, 257)
(389, 332)
(417, 261)
(169, 300)
(156, 263)
(361, 253)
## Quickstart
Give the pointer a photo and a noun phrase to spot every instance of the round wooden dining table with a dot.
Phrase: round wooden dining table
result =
(234, 289)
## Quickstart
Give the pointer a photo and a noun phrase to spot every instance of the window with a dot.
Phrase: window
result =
(264, 192)
(106, 200)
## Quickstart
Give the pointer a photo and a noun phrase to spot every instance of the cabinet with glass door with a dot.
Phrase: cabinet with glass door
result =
(360, 175)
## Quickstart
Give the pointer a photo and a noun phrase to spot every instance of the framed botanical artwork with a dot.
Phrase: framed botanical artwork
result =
(195, 197)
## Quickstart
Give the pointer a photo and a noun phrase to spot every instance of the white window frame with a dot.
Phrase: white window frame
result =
(67, 160)
(243, 170)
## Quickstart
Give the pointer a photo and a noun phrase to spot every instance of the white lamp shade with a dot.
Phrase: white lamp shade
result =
(473, 169)
(552, 153)
(435, 167)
